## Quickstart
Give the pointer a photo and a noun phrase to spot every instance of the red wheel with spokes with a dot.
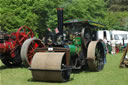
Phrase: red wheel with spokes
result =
(23, 33)
(27, 50)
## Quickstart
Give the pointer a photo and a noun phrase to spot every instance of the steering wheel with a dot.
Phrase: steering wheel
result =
(23, 33)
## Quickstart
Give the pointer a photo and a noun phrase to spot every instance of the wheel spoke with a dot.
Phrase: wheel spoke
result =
(33, 44)
(24, 31)
(31, 47)
(22, 39)
(28, 34)
(30, 53)
(30, 57)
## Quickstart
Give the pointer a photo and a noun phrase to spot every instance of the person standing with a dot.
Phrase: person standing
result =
(106, 48)
(113, 44)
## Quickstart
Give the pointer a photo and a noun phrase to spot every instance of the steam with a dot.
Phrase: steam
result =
(65, 3)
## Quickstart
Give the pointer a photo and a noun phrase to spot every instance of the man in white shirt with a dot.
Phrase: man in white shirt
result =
(113, 44)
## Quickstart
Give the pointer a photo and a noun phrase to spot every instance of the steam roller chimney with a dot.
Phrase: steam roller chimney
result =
(60, 20)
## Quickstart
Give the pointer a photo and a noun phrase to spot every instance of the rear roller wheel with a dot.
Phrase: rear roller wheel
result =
(95, 56)
(6, 62)
(12, 62)
(9, 63)
(27, 50)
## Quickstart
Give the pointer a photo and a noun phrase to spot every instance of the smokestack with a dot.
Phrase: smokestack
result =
(60, 20)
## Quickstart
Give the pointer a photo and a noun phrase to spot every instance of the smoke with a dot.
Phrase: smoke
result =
(65, 3)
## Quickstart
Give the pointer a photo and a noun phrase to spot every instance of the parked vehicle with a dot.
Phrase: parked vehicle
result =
(120, 37)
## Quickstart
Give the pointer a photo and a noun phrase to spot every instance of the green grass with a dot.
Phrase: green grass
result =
(111, 75)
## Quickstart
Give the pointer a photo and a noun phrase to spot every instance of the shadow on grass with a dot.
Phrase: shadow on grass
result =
(3, 67)
(77, 71)
(72, 76)
(31, 80)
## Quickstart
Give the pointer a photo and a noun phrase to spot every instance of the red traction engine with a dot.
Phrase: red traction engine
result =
(12, 44)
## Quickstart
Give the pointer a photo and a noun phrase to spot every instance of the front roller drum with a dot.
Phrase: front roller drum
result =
(96, 55)
(50, 66)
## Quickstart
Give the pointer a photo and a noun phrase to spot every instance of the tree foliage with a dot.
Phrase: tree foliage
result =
(117, 14)
(117, 5)
(41, 14)
(115, 20)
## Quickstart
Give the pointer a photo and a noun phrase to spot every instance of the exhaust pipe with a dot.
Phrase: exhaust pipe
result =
(60, 20)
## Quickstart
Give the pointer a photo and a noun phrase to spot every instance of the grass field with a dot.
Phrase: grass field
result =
(111, 75)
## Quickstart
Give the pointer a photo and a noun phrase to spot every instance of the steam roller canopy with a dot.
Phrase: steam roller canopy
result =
(49, 66)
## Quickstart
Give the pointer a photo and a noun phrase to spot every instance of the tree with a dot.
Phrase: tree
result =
(15, 13)
(41, 14)
(117, 5)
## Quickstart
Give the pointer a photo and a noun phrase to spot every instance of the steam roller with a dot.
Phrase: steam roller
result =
(73, 45)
